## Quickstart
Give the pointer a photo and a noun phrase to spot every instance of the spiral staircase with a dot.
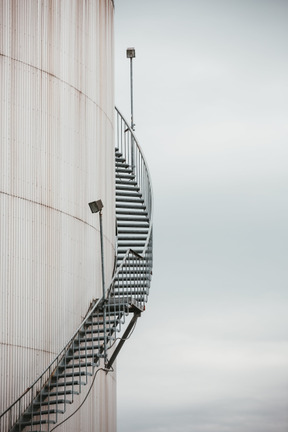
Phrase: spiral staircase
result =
(110, 320)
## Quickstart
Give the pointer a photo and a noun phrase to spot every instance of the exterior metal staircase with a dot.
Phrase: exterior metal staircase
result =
(96, 343)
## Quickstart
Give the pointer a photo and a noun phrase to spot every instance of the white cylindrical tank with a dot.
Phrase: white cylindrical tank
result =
(56, 155)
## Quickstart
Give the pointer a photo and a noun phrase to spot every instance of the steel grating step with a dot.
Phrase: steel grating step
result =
(94, 348)
(129, 207)
(82, 338)
(72, 365)
(130, 245)
(129, 212)
(91, 339)
(44, 412)
(124, 193)
(52, 402)
(124, 182)
(85, 356)
(139, 219)
(37, 422)
(124, 176)
(66, 392)
(132, 281)
(129, 200)
(121, 162)
(118, 153)
(127, 188)
(133, 225)
(67, 383)
(73, 374)
(89, 332)
(130, 292)
(123, 171)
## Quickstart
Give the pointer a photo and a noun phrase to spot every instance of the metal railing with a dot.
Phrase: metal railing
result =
(129, 147)
(130, 283)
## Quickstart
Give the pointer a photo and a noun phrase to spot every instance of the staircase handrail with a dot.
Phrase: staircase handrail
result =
(150, 207)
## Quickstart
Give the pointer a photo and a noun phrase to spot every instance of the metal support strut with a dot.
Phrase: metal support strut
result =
(123, 339)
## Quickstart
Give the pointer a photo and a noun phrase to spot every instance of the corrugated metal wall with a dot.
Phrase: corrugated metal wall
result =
(56, 155)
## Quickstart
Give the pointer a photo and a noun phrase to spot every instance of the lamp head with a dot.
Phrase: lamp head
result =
(96, 206)
(130, 53)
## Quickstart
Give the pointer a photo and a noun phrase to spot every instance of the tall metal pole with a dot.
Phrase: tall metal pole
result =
(131, 92)
(131, 54)
(95, 207)
(102, 253)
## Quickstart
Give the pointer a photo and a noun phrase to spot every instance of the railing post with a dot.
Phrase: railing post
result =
(132, 155)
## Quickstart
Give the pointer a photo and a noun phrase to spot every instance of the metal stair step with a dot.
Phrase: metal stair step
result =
(109, 324)
(132, 282)
(130, 245)
(120, 170)
(118, 304)
(82, 339)
(128, 211)
(78, 366)
(94, 348)
(91, 339)
(136, 247)
(129, 200)
(124, 187)
(144, 230)
(96, 322)
(53, 402)
(127, 176)
(74, 374)
(124, 250)
(125, 272)
(67, 383)
(125, 182)
(125, 193)
(44, 412)
(132, 219)
(118, 154)
(56, 394)
(130, 292)
(121, 162)
(134, 303)
(123, 170)
(132, 234)
(84, 356)
(140, 207)
(133, 225)
(111, 312)
(37, 422)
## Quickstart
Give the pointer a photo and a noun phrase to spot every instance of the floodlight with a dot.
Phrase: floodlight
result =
(96, 206)
(130, 52)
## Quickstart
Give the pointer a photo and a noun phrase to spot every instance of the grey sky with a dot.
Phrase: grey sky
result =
(210, 354)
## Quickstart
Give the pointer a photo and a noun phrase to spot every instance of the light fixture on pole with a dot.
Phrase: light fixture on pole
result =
(96, 207)
(130, 53)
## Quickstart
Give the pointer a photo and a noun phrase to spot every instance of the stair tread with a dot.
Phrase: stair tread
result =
(53, 402)
(44, 412)
(67, 383)
(38, 422)
(47, 393)
(80, 365)
(129, 200)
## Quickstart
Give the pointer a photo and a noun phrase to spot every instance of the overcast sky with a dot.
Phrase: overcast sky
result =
(210, 353)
